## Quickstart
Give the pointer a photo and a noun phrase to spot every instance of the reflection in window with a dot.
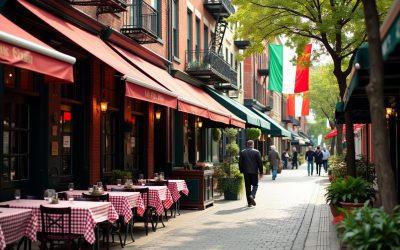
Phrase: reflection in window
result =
(108, 134)
(66, 137)
(15, 141)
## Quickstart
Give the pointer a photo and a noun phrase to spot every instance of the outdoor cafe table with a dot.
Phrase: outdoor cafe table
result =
(123, 202)
(84, 214)
(159, 197)
(16, 223)
(176, 187)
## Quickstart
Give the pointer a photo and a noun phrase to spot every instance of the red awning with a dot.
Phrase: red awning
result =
(20, 49)
(139, 85)
(191, 99)
(333, 133)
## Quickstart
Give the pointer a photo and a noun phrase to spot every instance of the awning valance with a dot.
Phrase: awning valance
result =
(239, 110)
(275, 130)
(333, 133)
(20, 49)
(150, 90)
(191, 99)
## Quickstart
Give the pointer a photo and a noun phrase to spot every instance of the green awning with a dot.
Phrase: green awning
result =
(276, 129)
(355, 97)
(239, 110)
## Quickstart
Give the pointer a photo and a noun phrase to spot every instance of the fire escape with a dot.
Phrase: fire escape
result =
(103, 6)
(208, 65)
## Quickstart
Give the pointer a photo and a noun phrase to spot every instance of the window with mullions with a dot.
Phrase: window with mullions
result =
(156, 4)
(66, 137)
(108, 136)
(189, 46)
(175, 25)
(205, 37)
(20, 79)
(197, 45)
(16, 131)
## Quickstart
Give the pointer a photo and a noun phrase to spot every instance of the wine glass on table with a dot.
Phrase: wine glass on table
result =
(17, 194)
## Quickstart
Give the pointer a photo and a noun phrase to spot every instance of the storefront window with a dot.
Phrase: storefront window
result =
(108, 134)
(67, 142)
(15, 141)
(20, 79)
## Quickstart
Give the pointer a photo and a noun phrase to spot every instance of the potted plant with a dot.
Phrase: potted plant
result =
(216, 134)
(371, 228)
(267, 169)
(120, 174)
(348, 192)
(232, 186)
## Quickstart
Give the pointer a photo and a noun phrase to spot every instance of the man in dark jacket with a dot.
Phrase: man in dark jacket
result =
(250, 164)
(310, 156)
(294, 159)
(318, 160)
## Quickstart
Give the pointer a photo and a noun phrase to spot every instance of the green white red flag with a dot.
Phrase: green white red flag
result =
(284, 77)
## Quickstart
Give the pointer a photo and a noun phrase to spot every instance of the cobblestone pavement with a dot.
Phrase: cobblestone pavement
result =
(290, 214)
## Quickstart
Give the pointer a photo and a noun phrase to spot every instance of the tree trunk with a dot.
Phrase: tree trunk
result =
(350, 147)
(384, 170)
(339, 144)
(332, 149)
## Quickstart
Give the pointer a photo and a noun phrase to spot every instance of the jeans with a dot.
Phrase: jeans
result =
(325, 163)
(294, 164)
(251, 185)
(319, 165)
(310, 166)
(285, 162)
(274, 173)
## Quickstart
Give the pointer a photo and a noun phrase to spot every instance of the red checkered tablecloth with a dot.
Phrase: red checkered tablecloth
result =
(16, 223)
(84, 214)
(123, 202)
(159, 197)
(176, 187)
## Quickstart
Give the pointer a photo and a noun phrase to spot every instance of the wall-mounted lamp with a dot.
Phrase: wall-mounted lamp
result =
(199, 123)
(269, 136)
(158, 114)
(103, 106)
(389, 112)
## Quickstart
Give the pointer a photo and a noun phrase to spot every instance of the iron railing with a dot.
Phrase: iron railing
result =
(209, 61)
(141, 20)
(226, 3)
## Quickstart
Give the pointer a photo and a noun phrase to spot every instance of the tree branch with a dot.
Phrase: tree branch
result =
(295, 13)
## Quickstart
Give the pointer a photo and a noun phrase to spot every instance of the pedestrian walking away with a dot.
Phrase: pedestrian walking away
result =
(285, 158)
(310, 156)
(294, 159)
(318, 160)
(250, 164)
(325, 157)
(274, 161)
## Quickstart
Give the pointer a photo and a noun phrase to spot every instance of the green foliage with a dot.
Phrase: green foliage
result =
(120, 174)
(233, 183)
(198, 65)
(216, 134)
(267, 169)
(371, 228)
(253, 133)
(350, 189)
(337, 166)
(231, 134)
(232, 149)
(365, 170)
(300, 158)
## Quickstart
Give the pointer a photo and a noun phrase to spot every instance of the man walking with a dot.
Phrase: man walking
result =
(294, 159)
(325, 157)
(250, 164)
(310, 156)
(318, 160)
(274, 161)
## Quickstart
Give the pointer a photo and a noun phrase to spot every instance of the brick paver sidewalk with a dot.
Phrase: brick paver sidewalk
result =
(291, 213)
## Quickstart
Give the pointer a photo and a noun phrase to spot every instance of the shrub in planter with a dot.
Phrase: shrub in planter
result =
(120, 174)
(232, 186)
(253, 133)
(350, 190)
(371, 228)
(267, 169)
(216, 134)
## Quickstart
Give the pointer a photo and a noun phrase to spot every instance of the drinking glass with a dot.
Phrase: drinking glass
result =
(71, 186)
(141, 177)
(155, 176)
(99, 184)
(161, 176)
(119, 181)
(17, 194)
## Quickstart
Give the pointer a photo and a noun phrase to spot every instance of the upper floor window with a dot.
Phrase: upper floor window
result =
(189, 34)
(197, 45)
(205, 38)
(156, 4)
(175, 25)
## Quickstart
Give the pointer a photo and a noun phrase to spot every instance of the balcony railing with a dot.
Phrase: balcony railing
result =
(211, 68)
(103, 6)
(140, 22)
(219, 8)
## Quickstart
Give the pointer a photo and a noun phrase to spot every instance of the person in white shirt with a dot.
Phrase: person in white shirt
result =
(325, 157)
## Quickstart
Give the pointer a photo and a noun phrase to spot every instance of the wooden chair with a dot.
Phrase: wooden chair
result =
(59, 220)
(106, 226)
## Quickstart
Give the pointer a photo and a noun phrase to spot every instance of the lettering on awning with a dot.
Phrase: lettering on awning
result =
(152, 95)
(16, 55)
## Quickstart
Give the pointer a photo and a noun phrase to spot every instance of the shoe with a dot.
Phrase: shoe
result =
(252, 201)
(248, 205)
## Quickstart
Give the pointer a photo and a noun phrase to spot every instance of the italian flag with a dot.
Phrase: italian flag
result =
(284, 77)
(298, 104)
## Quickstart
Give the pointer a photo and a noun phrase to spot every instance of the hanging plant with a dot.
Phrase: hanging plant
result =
(216, 134)
(253, 134)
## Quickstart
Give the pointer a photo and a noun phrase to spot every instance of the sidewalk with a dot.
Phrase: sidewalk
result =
(291, 213)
